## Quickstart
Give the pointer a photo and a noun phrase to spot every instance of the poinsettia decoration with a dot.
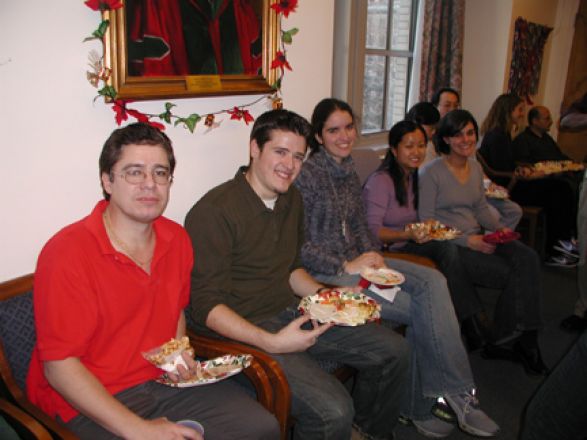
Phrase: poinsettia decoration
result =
(99, 75)
(285, 7)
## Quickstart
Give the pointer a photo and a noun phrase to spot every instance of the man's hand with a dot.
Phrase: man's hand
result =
(476, 243)
(163, 429)
(368, 259)
(292, 338)
(182, 372)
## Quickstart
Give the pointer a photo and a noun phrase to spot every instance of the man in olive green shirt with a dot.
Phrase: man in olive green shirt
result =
(246, 235)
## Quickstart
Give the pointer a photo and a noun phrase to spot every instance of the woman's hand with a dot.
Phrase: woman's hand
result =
(368, 259)
(418, 235)
(476, 243)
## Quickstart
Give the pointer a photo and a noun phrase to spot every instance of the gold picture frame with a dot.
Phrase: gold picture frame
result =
(184, 86)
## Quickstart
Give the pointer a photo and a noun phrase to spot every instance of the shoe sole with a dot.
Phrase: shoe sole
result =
(566, 252)
(430, 434)
(553, 264)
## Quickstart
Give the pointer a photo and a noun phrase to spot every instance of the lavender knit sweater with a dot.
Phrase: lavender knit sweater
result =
(332, 193)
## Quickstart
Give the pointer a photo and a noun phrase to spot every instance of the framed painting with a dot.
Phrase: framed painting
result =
(158, 49)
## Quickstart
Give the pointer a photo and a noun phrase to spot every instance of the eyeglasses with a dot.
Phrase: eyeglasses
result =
(135, 176)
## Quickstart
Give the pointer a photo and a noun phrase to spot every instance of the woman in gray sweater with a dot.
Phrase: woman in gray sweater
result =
(339, 245)
(451, 191)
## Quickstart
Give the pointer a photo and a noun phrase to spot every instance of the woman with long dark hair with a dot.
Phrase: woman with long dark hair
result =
(338, 245)
(451, 191)
(391, 200)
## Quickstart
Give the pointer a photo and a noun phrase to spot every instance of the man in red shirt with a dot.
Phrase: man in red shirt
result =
(112, 286)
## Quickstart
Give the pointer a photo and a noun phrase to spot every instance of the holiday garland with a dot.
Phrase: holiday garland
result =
(100, 74)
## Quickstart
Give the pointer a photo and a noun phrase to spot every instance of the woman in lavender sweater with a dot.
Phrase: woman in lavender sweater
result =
(391, 200)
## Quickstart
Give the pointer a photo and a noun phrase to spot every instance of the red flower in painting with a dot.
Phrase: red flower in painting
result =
(238, 114)
(285, 7)
(104, 5)
(280, 61)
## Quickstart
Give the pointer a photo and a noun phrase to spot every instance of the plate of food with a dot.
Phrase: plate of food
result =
(382, 277)
(435, 230)
(211, 371)
(496, 192)
(501, 237)
(341, 307)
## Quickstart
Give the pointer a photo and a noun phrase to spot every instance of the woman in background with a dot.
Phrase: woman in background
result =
(553, 195)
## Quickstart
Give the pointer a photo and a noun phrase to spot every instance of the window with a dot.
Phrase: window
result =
(380, 35)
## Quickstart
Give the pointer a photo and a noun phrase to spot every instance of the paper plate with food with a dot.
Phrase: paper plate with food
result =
(212, 370)
(501, 237)
(382, 277)
(341, 307)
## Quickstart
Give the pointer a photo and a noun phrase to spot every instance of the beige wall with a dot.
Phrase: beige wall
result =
(52, 132)
(489, 27)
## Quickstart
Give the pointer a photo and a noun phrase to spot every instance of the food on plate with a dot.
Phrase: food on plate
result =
(212, 370)
(496, 192)
(382, 276)
(168, 356)
(557, 166)
(341, 307)
(434, 230)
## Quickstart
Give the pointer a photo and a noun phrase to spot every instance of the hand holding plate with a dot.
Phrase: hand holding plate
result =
(292, 338)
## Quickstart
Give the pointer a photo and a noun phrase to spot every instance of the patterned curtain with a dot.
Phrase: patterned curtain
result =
(527, 52)
(442, 46)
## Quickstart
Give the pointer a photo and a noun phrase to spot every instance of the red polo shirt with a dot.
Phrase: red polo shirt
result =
(94, 303)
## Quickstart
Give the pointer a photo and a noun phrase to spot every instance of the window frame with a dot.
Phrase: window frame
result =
(351, 27)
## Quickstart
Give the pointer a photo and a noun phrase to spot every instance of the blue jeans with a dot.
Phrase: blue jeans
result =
(321, 405)
(439, 364)
(557, 410)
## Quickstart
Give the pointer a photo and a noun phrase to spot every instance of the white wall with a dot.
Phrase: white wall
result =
(53, 133)
(487, 28)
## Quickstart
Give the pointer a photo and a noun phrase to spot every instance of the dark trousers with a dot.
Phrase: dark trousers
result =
(558, 198)
(558, 410)
(449, 260)
(515, 269)
(321, 405)
(224, 410)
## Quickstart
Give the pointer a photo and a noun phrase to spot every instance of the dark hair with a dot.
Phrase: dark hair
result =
(280, 119)
(450, 125)
(321, 113)
(436, 97)
(391, 165)
(138, 133)
(500, 113)
(424, 113)
(534, 113)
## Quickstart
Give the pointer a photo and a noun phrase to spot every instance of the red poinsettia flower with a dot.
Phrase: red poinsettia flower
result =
(104, 5)
(280, 61)
(122, 113)
(238, 114)
(285, 7)
(119, 107)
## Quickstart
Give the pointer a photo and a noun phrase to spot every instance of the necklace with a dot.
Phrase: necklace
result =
(342, 208)
(122, 245)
